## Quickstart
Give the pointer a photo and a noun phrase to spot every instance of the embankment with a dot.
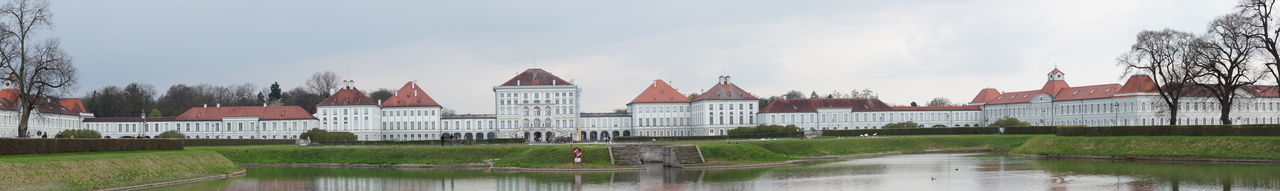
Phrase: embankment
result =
(526, 156)
(1167, 148)
(784, 150)
(101, 170)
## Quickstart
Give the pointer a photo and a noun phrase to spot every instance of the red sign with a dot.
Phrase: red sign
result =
(577, 155)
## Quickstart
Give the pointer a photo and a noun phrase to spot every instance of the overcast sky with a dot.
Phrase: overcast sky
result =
(458, 50)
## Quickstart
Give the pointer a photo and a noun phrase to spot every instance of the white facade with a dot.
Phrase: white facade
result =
(229, 128)
(236, 122)
(1120, 105)
(717, 117)
(853, 114)
(661, 119)
(365, 121)
(410, 123)
(50, 123)
(536, 105)
(605, 126)
(471, 126)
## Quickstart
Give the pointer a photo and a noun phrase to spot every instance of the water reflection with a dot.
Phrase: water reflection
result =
(902, 172)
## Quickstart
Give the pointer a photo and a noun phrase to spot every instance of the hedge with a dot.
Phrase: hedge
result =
(943, 131)
(231, 142)
(432, 142)
(718, 137)
(49, 146)
(1189, 130)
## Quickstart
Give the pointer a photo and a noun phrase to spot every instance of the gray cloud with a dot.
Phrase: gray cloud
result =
(905, 50)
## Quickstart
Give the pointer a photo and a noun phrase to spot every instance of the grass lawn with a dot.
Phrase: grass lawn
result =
(86, 171)
(1173, 146)
(506, 155)
(782, 150)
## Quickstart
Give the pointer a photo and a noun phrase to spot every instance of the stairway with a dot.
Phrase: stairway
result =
(625, 154)
(669, 155)
(686, 154)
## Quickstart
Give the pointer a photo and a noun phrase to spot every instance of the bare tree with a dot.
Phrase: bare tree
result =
(304, 98)
(323, 82)
(382, 94)
(1164, 56)
(836, 94)
(1224, 54)
(178, 99)
(1265, 32)
(793, 94)
(864, 93)
(939, 101)
(39, 69)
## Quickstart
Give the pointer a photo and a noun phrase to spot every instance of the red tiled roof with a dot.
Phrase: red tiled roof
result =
(660, 92)
(1138, 84)
(409, 96)
(1262, 90)
(535, 77)
(70, 106)
(813, 104)
(263, 113)
(938, 108)
(73, 105)
(1015, 97)
(9, 99)
(347, 96)
(985, 95)
(1055, 70)
(1052, 87)
(724, 91)
(128, 119)
(1087, 92)
(1061, 91)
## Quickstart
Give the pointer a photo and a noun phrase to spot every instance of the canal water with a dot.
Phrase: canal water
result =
(899, 172)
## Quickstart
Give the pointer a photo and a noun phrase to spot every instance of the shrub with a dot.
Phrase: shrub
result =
(1009, 122)
(943, 131)
(321, 136)
(79, 134)
(231, 142)
(48, 146)
(171, 134)
(902, 125)
(722, 137)
(766, 130)
(648, 138)
(435, 142)
(1191, 130)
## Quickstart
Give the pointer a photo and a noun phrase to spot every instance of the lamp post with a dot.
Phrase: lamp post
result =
(1115, 107)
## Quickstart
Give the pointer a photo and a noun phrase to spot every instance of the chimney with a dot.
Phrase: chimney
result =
(219, 105)
(264, 104)
(379, 102)
(206, 105)
(553, 82)
(517, 82)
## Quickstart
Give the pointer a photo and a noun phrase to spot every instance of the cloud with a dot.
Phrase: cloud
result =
(905, 50)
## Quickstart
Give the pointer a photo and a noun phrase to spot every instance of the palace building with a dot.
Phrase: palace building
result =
(217, 122)
(54, 116)
(540, 106)
(536, 104)
(1135, 102)
(863, 113)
